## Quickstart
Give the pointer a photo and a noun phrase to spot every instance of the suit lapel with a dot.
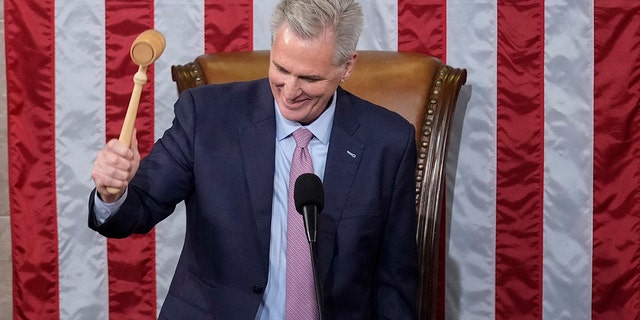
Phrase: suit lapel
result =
(257, 144)
(343, 159)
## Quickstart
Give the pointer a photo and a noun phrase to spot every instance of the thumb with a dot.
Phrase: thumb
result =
(134, 144)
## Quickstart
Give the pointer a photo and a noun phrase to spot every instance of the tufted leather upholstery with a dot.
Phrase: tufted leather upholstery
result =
(419, 87)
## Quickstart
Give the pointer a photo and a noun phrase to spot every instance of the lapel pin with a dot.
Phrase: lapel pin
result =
(353, 155)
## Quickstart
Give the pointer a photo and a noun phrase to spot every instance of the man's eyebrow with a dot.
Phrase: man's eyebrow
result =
(306, 76)
(281, 68)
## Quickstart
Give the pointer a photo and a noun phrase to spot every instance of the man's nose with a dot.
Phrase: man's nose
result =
(291, 88)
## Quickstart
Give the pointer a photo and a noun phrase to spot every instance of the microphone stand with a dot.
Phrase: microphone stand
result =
(314, 249)
(311, 227)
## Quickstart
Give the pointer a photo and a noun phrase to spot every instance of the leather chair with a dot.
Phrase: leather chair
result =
(419, 87)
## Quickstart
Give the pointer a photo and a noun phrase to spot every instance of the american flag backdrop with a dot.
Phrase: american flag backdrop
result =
(543, 177)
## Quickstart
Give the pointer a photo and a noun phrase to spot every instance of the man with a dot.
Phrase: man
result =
(228, 155)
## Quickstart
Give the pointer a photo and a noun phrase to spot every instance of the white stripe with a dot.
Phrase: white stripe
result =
(182, 23)
(568, 159)
(380, 30)
(262, 10)
(470, 263)
(80, 132)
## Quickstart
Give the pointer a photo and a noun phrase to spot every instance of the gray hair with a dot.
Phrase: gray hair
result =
(309, 19)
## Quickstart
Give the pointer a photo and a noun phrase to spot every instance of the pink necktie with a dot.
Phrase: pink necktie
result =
(301, 297)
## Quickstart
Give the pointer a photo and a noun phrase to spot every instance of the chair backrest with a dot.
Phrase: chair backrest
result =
(419, 87)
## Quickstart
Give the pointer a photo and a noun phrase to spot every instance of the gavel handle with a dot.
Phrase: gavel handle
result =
(126, 133)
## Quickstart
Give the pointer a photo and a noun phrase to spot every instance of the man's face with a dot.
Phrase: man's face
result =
(302, 74)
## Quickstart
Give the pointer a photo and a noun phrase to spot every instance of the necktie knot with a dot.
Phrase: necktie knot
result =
(302, 137)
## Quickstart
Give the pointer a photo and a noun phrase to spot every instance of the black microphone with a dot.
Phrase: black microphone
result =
(308, 195)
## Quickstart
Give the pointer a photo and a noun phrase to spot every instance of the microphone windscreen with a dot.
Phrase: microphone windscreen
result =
(308, 191)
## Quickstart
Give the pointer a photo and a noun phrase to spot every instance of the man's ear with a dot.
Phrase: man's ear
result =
(349, 66)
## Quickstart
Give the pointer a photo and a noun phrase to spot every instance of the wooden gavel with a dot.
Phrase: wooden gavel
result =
(145, 50)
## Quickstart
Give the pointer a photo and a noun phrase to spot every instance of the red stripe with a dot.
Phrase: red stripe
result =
(520, 157)
(31, 142)
(132, 276)
(228, 25)
(616, 171)
(422, 26)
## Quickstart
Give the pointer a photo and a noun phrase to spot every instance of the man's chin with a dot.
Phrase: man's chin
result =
(296, 115)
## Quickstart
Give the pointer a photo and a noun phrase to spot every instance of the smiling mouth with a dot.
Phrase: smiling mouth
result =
(295, 102)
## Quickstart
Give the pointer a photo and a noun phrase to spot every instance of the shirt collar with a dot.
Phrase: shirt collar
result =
(321, 127)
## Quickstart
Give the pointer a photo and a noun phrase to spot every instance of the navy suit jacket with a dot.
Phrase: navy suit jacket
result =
(218, 157)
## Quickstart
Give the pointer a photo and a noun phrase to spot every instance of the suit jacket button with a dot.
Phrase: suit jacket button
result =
(258, 289)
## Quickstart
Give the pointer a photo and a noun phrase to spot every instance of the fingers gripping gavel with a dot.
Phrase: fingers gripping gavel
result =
(145, 50)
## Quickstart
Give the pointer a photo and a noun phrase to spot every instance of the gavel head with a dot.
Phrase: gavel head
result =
(147, 47)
